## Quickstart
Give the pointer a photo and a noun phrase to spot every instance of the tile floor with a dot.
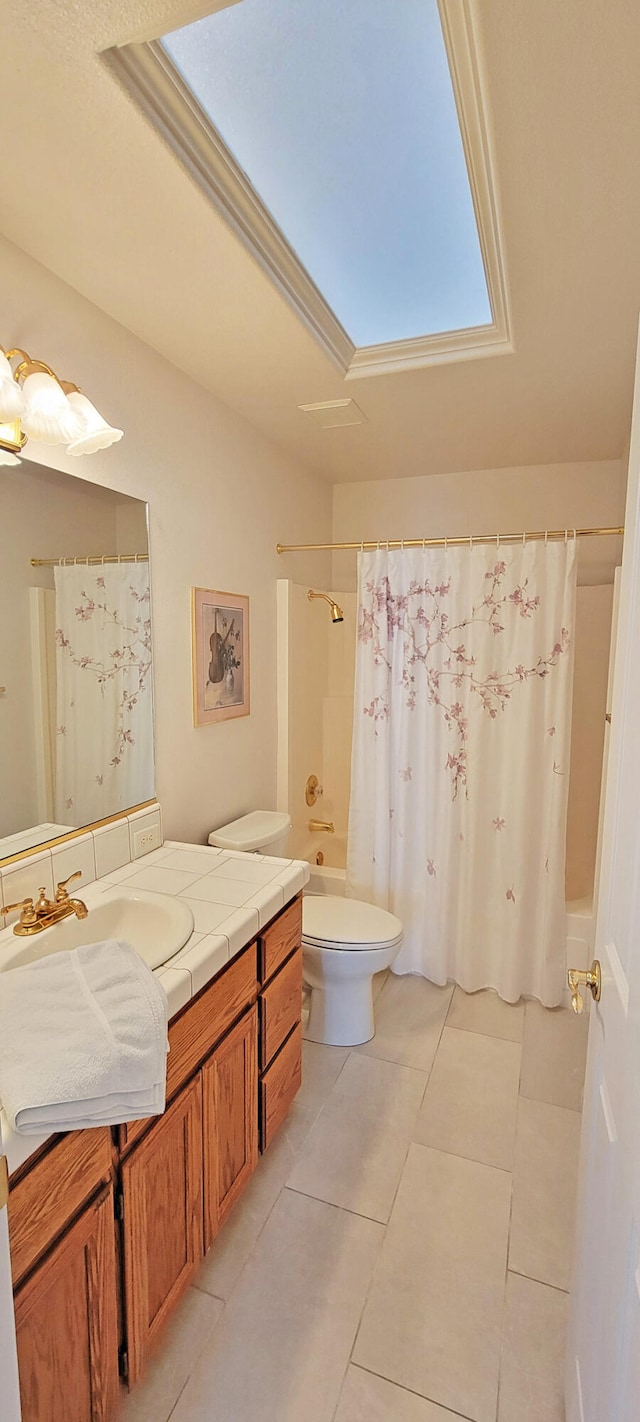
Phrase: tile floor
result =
(402, 1253)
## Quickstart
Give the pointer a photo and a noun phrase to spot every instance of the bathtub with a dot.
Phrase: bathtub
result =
(333, 847)
(330, 879)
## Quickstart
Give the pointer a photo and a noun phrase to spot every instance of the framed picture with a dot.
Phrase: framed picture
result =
(220, 651)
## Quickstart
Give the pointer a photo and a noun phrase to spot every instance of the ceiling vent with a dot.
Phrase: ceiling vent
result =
(329, 414)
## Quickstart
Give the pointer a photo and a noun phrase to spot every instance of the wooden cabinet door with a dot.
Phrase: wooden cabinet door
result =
(162, 1221)
(230, 1108)
(66, 1324)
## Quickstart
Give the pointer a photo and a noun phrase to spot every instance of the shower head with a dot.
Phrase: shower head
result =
(337, 615)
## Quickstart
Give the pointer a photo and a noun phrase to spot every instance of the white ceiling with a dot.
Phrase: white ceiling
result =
(89, 189)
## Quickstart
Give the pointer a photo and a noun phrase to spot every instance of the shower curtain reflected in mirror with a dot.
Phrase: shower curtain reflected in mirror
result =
(460, 760)
(104, 721)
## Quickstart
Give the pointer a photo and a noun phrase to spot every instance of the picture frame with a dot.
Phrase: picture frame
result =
(220, 655)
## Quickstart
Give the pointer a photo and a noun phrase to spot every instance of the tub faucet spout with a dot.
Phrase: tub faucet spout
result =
(322, 826)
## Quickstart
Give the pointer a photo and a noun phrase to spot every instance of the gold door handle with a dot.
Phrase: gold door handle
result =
(591, 979)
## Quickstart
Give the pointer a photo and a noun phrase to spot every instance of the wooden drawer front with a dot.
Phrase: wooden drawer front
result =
(52, 1192)
(278, 941)
(66, 1325)
(280, 1007)
(205, 1021)
(279, 1085)
(230, 1121)
(162, 1221)
(202, 1023)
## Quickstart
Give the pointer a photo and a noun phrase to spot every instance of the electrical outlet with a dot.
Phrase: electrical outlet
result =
(144, 840)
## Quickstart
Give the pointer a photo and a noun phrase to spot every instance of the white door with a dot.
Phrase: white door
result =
(9, 1395)
(603, 1361)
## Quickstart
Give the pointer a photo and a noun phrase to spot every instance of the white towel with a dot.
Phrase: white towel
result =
(83, 1040)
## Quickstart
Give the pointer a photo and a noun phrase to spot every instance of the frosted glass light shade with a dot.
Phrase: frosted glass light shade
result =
(11, 397)
(96, 433)
(48, 416)
(7, 458)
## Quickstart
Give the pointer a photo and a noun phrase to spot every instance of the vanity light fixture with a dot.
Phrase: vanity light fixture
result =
(36, 404)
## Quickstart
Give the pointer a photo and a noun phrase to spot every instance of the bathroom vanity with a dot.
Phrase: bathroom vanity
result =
(108, 1226)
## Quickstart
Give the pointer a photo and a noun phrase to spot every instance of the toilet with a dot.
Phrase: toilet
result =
(345, 942)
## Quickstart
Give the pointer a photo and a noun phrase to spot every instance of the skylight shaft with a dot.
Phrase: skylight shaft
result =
(343, 117)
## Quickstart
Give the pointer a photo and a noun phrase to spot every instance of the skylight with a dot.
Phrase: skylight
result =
(342, 115)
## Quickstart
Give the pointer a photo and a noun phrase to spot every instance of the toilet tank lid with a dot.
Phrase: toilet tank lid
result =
(332, 918)
(254, 831)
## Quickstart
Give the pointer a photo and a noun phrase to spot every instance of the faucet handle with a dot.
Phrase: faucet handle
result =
(13, 908)
(27, 910)
(61, 888)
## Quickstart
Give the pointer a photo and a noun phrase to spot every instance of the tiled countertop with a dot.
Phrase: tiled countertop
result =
(232, 896)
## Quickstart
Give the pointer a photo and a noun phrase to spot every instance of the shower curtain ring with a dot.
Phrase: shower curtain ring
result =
(566, 537)
(546, 537)
(524, 538)
(497, 541)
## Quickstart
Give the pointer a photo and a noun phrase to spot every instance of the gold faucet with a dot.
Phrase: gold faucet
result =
(317, 825)
(45, 912)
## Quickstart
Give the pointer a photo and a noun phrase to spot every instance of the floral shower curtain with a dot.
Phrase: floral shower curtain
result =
(104, 719)
(460, 760)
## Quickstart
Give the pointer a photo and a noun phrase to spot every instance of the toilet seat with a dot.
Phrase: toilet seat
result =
(347, 925)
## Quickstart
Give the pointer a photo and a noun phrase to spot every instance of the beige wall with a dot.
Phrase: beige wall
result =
(487, 501)
(221, 496)
(508, 500)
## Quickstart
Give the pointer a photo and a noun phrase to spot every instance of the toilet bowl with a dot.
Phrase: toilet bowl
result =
(345, 942)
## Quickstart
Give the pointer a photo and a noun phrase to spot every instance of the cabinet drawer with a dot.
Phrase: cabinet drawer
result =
(200, 1025)
(52, 1192)
(279, 940)
(280, 1007)
(279, 1085)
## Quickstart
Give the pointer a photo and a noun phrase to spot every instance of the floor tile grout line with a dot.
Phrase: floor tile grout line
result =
(477, 1032)
(541, 1100)
(533, 1279)
(455, 1155)
(356, 1214)
(464, 1417)
(196, 1360)
(504, 1288)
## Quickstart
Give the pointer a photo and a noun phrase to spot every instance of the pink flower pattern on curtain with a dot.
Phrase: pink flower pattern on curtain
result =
(104, 731)
(460, 759)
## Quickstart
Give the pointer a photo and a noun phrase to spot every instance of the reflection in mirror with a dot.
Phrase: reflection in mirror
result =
(76, 722)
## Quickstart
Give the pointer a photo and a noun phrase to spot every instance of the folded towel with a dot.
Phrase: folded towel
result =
(83, 1040)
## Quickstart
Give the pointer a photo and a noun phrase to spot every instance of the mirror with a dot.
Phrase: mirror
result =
(76, 720)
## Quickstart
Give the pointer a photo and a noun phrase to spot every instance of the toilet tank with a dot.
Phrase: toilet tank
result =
(261, 832)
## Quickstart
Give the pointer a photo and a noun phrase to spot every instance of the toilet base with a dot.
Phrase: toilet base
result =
(341, 1014)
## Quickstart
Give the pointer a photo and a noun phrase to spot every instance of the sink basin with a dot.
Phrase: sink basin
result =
(156, 925)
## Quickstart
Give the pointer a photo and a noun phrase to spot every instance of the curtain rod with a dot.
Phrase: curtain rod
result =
(90, 559)
(497, 538)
